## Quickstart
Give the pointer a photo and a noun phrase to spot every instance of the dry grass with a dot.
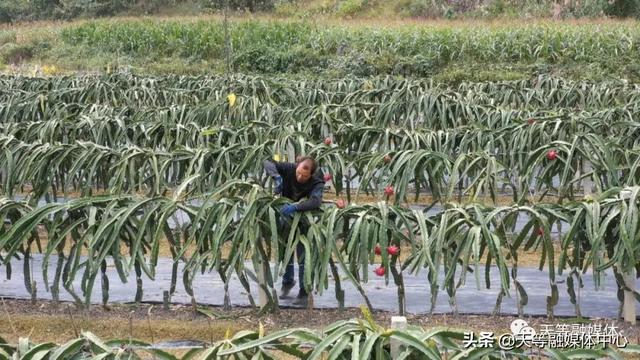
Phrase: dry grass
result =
(46, 322)
(58, 328)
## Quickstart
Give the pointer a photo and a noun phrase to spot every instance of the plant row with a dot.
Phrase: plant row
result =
(454, 168)
(128, 90)
(240, 221)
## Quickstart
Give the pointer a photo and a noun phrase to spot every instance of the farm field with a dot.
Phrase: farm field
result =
(117, 177)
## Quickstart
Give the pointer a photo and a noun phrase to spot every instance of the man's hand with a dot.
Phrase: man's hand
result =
(278, 183)
(288, 210)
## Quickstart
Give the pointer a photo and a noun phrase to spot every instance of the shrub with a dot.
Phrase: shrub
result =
(418, 8)
(351, 7)
(14, 53)
(250, 5)
(285, 8)
(624, 8)
(505, 8)
(22, 10)
(7, 37)
(322, 8)
(69, 9)
(11, 11)
(590, 8)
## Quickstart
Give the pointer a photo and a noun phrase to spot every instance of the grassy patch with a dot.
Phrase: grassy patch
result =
(15, 54)
(59, 328)
(449, 52)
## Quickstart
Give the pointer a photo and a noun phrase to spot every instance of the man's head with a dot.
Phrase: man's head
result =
(306, 167)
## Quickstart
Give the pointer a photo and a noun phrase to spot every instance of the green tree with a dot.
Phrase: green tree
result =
(624, 8)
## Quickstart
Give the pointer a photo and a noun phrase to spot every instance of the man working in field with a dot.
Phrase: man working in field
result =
(296, 181)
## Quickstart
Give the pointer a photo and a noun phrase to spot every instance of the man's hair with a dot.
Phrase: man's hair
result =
(312, 161)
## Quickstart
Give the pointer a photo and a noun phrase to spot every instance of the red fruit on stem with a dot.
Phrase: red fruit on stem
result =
(552, 155)
(393, 250)
(327, 141)
(388, 190)
(377, 250)
(340, 203)
(379, 271)
(531, 121)
(327, 177)
(540, 231)
(386, 159)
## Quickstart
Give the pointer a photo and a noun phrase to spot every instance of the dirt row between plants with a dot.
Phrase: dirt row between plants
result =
(46, 321)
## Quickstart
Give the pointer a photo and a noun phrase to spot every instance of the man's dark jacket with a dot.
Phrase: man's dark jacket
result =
(294, 190)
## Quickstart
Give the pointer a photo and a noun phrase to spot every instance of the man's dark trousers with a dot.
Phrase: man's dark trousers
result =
(287, 279)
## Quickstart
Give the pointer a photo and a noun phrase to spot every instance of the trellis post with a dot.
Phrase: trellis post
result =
(629, 279)
(397, 323)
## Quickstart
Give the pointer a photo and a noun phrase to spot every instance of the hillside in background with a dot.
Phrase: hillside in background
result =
(28, 10)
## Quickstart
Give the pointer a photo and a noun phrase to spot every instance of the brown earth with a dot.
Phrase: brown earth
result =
(45, 321)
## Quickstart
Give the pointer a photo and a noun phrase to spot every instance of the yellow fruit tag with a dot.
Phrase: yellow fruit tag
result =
(232, 99)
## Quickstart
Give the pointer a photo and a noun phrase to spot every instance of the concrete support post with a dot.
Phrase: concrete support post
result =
(397, 323)
(262, 295)
(629, 306)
